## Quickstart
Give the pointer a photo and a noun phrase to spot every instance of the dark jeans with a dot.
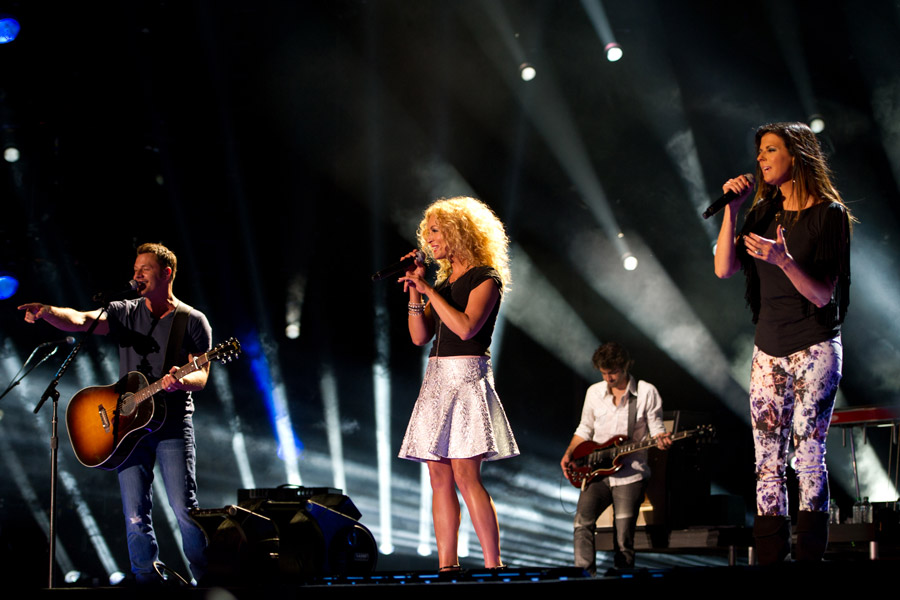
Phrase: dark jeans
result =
(176, 458)
(594, 499)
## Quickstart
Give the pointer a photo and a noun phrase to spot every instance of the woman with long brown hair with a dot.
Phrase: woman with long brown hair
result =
(794, 249)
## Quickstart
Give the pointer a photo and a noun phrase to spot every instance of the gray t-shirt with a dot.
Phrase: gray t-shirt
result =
(142, 340)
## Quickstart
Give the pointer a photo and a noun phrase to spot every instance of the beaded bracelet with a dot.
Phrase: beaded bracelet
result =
(416, 308)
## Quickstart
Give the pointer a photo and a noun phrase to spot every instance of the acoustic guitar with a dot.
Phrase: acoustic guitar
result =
(106, 422)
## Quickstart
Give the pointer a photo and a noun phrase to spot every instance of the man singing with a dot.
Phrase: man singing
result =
(143, 330)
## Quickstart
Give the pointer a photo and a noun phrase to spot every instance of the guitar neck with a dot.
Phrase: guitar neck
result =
(193, 366)
(649, 443)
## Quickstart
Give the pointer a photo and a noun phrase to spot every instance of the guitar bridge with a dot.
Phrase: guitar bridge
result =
(104, 418)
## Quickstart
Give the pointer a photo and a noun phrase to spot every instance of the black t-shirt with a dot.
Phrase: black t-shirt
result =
(447, 343)
(818, 240)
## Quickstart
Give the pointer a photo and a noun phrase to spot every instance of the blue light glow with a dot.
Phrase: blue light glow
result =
(8, 286)
(289, 445)
(9, 29)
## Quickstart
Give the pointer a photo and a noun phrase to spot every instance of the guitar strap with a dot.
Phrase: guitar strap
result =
(176, 334)
(632, 415)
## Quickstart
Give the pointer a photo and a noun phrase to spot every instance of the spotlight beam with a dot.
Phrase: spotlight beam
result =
(547, 318)
(552, 118)
(16, 472)
(221, 382)
(331, 406)
(651, 300)
(597, 15)
(784, 25)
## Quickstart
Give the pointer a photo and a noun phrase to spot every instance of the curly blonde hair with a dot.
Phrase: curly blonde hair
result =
(472, 232)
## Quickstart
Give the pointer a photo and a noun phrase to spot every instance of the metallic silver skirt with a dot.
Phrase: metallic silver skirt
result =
(458, 414)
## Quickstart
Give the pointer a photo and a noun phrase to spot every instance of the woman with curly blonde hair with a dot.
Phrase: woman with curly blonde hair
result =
(458, 420)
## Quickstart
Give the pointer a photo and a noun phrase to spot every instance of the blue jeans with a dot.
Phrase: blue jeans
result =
(176, 458)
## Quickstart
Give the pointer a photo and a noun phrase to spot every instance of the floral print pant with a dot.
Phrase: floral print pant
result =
(793, 394)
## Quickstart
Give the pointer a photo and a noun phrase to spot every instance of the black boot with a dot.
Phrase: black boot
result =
(812, 535)
(773, 538)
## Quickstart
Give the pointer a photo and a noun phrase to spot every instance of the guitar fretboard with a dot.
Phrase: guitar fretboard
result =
(635, 446)
(193, 366)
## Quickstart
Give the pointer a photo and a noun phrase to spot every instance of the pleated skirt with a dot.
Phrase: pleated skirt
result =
(458, 414)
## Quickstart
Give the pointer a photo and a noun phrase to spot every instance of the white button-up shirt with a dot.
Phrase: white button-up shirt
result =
(602, 420)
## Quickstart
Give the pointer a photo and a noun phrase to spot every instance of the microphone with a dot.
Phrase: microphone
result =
(399, 267)
(726, 198)
(109, 295)
(66, 340)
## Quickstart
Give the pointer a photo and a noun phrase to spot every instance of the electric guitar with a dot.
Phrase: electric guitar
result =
(106, 422)
(590, 459)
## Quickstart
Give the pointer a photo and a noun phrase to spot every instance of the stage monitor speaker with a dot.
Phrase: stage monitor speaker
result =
(269, 541)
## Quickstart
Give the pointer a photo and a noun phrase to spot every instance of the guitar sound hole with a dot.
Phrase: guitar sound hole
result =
(127, 405)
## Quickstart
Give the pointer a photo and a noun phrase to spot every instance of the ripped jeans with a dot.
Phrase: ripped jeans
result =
(793, 394)
(176, 457)
(594, 499)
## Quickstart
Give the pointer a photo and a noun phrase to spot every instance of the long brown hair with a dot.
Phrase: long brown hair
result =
(809, 171)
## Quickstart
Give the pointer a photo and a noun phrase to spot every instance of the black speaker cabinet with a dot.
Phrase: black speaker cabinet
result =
(267, 541)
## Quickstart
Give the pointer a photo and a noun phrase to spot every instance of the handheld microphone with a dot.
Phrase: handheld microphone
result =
(726, 198)
(399, 267)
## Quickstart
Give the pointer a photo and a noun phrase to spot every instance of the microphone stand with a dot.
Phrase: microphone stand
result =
(53, 392)
(16, 379)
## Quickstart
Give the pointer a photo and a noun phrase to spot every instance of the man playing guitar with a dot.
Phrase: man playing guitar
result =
(619, 405)
(141, 329)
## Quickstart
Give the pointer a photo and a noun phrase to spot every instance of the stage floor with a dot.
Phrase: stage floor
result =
(825, 577)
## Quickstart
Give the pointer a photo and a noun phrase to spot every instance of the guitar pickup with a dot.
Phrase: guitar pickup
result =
(104, 418)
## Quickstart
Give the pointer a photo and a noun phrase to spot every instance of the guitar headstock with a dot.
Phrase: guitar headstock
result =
(705, 433)
(225, 352)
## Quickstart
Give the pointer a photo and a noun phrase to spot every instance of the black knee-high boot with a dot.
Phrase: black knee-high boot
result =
(812, 535)
(773, 538)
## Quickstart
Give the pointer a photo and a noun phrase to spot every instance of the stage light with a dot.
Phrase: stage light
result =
(597, 15)
(817, 123)
(9, 28)
(8, 286)
(527, 71)
(629, 261)
(11, 154)
(72, 576)
(613, 52)
(294, 306)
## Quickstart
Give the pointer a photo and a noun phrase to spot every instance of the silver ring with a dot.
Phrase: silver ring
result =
(759, 252)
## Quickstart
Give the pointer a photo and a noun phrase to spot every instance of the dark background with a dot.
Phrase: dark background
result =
(286, 148)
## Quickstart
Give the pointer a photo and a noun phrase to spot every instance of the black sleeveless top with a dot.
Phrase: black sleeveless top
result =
(447, 343)
(818, 238)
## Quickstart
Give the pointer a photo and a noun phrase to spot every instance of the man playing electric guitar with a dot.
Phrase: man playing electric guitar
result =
(619, 405)
(143, 329)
